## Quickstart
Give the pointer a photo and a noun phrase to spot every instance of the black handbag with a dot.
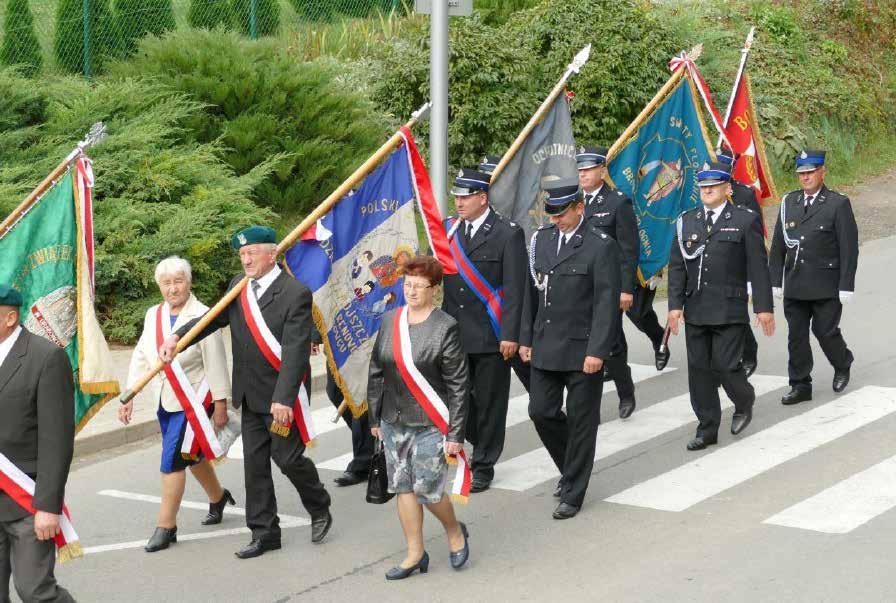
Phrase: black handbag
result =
(377, 480)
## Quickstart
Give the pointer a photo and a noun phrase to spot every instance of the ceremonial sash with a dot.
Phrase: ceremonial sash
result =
(488, 295)
(20, 488)
(271, 350)
(199, 435)
(427, 398)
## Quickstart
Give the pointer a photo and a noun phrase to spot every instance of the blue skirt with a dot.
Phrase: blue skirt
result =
(173, 426)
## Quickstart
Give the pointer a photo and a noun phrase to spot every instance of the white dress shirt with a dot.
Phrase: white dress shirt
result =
(568, 235)
(590, 196)
(265, 281)
(475, 224)
(7, 344)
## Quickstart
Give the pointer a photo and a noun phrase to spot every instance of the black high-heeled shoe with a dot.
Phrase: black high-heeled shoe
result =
(161, 539)
(460, 557)
(400, 573)
(216, 510)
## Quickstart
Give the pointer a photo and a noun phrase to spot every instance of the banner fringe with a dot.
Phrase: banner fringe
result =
(358, 410)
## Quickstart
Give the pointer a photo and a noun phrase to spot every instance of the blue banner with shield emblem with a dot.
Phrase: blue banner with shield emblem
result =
(657, 169)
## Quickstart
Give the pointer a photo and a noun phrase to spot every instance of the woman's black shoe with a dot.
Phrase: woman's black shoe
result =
(400, 573)
(216, 510)
(161, 539)
(460, 557)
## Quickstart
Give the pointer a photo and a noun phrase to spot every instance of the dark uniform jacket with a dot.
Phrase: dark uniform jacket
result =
(438, 356)
(498, 251)
(824, 261)
(37, 420)
(286, 307)
(578, 313)
(613, 213)
(734, 255)
(743, 196)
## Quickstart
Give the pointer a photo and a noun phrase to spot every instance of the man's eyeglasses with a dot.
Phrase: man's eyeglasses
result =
(416, 286)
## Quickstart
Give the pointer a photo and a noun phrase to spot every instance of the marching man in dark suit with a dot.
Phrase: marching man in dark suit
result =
(486, 299)
(744, 196)
(814, 256)
(612, 213)
(569, 334)
(277, 317)
(717, 250)
(37, 435)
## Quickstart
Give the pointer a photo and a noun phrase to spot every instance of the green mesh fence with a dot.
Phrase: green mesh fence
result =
(80, 36)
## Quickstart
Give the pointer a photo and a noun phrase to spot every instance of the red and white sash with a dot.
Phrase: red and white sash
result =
(270, 349)
(20, 488)
(199, 435)
(428, 399)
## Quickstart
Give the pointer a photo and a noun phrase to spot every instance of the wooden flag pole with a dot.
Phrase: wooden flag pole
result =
(652, 105)
(578, 61)
(95, 136)
(744, 52)
(288, 241)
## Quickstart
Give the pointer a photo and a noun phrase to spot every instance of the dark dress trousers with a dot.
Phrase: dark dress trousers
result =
(715, 305)
(286, 308)
(613, 214)
(743, 196)
(498, 252)
(813, 273)
(37, 434)
(574, 316)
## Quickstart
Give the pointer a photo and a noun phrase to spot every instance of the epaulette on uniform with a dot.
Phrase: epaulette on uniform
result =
(546, 226)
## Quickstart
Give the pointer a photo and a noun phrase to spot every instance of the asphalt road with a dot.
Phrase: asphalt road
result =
(797, 508)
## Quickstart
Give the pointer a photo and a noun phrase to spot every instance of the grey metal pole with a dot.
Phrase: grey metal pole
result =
(438, 121)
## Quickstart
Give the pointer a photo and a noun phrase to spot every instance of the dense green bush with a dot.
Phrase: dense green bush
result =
(137, 18)
(267, 16)
(157, 193)
(210, 14)
(20, 45)
(68, 45)
(328, 10)
(261, 101)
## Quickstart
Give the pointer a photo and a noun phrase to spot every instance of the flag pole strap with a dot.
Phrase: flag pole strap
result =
(288, 241)
(578, 61)
(95, 136)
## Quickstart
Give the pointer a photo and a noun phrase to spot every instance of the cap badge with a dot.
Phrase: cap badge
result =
(803, 155)
(241, 238)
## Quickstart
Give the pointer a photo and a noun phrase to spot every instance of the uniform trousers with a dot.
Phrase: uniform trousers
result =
(617, 364)
(260, 446)
(362, 439)
(823, 317)
(644, 317)
(714, 357)
(30, 562)
(487, 418)
(751, 346)
(570, 437)
(522, 370)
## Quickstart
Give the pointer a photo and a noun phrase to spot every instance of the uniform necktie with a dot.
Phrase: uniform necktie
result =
(808, 203)
(255, 287)
(562, 244)
(710, 219)
(469, 232)
(589, 198)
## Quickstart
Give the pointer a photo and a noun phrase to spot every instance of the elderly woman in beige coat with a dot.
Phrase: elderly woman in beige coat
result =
(205, 361)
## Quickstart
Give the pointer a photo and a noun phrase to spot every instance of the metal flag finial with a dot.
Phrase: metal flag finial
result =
(749, 42)
(580, 59)
(95, 136)
(696, 51)
(423, 112)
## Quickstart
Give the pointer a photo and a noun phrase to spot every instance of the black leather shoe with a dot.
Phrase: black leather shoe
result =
(700, 442)
(161, 539)
(460, 557)
(749, 367)
(661, 359)
(400, 573)
(558, 489)
(796, 395)
(565, 511)
(216, 510)
(480, 484)
(740, 421)
(350, 478)
(257, 548)
(841, 380)
(320, 526)
(626, 407)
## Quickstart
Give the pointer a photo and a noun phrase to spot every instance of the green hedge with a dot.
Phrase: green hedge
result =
(20, 45)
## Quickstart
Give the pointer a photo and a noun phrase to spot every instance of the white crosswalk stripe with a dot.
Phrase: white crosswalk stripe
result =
(518, 410)
(530, 469)
(847, 505)
(707, 476)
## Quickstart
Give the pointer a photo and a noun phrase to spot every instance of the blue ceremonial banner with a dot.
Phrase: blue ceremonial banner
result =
(657, 168)
(350, 260)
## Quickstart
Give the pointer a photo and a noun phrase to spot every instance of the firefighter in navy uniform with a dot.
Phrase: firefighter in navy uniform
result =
(718, 248)
(494, 263)
(813, 261)
(568, 334)
(744, 196)
(520, 368)
(612, 213)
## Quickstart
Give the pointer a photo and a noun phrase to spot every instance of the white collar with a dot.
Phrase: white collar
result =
(265, 281)
(478, 221)
(596, 191)
(717, 210)
(7, 344)
(569, 234)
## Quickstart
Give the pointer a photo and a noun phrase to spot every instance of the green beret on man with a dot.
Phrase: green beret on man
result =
(252, 236)
(9, 296)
